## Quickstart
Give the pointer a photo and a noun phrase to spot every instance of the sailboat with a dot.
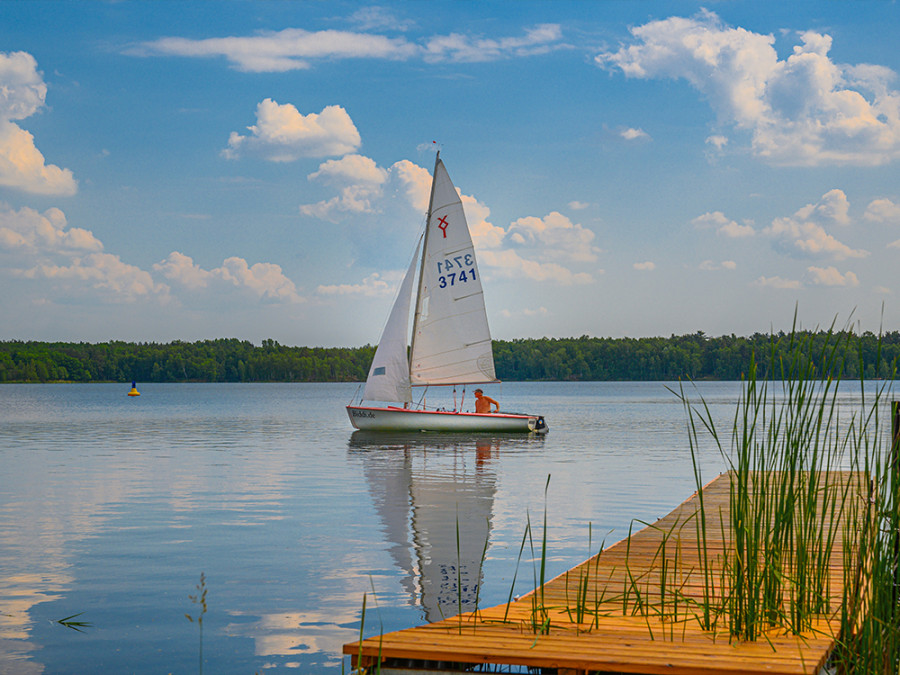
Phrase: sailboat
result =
(450, 342)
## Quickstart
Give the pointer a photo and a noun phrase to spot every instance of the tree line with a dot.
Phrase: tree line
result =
(695, 356)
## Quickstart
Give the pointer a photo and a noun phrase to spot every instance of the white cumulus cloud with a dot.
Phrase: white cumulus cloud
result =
(266, 280)
(631, 134)
(830, 276)
(42, 246)
(647, 266)
(263, 281)
(23, 89)
(27, 231)
(415, 182)
(361, 184)
(834, 207)
(351, 168)
(509, 264)
(283, 134)
(104, 273)
(804, 233)
(777, 282)
(723, 225)
(373, 285)
(485, 235)
(22, 165)
(883, 211)
(554, 237)
(182, 269)
(72, 264)
(709, 265)
(803, 110)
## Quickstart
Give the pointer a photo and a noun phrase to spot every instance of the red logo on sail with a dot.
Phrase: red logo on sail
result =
(442, 223)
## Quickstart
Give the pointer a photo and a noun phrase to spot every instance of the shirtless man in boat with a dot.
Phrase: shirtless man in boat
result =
(483, 403)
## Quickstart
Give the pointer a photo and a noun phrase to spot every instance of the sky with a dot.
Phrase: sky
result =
(260, 170)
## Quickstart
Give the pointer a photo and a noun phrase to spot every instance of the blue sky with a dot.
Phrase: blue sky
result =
(191, 170)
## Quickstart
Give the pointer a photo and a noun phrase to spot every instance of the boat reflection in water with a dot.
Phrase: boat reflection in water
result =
(434, 494)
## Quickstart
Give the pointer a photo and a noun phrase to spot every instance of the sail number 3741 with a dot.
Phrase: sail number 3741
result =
(460, 263)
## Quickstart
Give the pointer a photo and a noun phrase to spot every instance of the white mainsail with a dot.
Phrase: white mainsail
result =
(451, 341)
(451, 338)
(388, 378)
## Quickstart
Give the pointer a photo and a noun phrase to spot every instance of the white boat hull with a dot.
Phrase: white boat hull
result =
(402, 419)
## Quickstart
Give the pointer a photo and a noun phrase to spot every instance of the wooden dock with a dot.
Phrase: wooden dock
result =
(633, 608)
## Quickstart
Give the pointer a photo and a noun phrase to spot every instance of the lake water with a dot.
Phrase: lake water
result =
(113, 507)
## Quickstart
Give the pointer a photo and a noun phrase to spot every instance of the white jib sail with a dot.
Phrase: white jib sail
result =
(452, 343)
(388, 378)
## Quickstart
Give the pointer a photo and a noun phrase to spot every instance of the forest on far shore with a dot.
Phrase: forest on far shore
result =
(695, 356)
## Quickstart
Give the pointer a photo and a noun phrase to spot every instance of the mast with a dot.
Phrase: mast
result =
(418, 312)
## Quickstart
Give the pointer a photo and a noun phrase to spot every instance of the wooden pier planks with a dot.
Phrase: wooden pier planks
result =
(614, 636)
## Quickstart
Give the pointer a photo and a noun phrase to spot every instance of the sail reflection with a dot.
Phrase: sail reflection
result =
(434, 495)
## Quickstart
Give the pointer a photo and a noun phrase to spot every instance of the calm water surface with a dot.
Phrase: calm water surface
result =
(113, 507)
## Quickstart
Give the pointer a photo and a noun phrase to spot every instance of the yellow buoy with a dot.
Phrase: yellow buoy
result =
(134, 391)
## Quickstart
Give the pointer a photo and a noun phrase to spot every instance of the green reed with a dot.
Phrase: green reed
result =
(484, 549)
(74, 623)
(783, 444)
(376, 669)
(512, 587)
(790, 437)
(709, 608)
(459, 579)
(199, 599)
(459, 600)
(540, 614)
(585, 603)
(870, 618)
